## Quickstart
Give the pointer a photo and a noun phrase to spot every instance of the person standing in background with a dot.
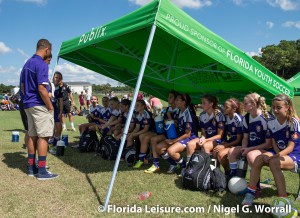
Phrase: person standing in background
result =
(88, 99)
(81, 101)
(38, 108)
(68, 102)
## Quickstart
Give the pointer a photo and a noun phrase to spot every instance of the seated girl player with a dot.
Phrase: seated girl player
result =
(124, 107)
(233, 131)
(93, 117)
(212, 124)
(142, 125)
(170, 114)
(187, 130)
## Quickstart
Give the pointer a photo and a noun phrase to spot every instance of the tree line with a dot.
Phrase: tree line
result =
(282, 59)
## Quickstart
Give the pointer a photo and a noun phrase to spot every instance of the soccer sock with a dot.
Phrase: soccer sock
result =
(181, 162)
(258, 184)
(142, 156)
(72, 125)
(251, 189)
(188, 157)
(42, 165)
(31, 160)
(167, 158)
(233, 167)
(156, 162)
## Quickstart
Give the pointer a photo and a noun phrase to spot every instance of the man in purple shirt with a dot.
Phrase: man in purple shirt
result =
(38, 108)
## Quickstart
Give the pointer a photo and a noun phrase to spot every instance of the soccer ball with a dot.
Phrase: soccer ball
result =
(283, 208)
(237, 185)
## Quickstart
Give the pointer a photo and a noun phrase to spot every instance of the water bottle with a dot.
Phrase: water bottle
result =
(144, 195)
(242, 167)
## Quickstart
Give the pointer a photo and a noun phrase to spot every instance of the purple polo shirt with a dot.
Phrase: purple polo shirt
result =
(34, 73)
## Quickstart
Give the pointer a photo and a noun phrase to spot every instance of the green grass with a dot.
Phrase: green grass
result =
(84, 181)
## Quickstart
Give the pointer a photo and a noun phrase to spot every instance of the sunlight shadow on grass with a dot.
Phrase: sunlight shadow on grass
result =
(15, 160)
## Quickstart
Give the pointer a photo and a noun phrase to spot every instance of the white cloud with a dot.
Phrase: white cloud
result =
(10, 75)
(286, 5)
(75, 73)
(23, 53)
(180, 3)
(39, 2)
(253, 53)
(270, 24)
(4, 49)
(238, 2)
(295, 24)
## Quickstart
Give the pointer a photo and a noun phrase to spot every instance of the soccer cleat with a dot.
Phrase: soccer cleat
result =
(46, 176)
(138, 164)
(182, 172)
(173, 169)
(152, 169)
(64, 129)
(248, 200)
(73, 129)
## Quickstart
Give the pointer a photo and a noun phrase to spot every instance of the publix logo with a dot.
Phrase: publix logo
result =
(94, 34)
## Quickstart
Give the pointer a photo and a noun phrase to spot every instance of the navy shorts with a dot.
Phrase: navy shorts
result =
(185, 141)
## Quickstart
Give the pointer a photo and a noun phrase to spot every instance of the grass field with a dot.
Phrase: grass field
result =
(83, 183)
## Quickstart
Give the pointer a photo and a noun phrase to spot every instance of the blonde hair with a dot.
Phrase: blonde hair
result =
(259, 102)
(287, 101)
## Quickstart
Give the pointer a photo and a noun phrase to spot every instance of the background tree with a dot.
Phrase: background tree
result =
(282, 59)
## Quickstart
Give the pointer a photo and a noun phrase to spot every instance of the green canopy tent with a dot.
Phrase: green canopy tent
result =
(295, 82)
(158, 48)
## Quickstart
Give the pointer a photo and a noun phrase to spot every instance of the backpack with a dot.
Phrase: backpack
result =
(109, 147)
(88, 141)
(130, 155)
(197, 175)
(218, 180)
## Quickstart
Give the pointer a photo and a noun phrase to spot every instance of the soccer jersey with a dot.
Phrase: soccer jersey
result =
(257, 129)
(211, 123)
(124, 117)
(174, 113)
(97, 107)
(187, 121)
(34, 73)
(116, 112)
(105, 113)
(283, 133)
(233, 127)
(143, 119)
(66, 90)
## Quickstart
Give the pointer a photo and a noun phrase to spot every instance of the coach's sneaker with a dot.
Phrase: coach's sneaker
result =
(173, 169)
(248, 200)
(152, 169)
(46, 176)
(138, 164)
(32, 171)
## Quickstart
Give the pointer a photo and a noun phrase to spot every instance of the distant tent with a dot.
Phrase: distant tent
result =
(295, 82)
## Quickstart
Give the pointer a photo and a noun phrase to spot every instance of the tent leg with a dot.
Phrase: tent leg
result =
(137, 88)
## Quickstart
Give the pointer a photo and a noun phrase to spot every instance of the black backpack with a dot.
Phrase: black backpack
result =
(130, 155)
(109, 147)
(88, 141)
(218, 180)
(197, 175)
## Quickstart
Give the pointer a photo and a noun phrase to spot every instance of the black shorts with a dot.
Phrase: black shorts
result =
(23, 115)
(66, 107)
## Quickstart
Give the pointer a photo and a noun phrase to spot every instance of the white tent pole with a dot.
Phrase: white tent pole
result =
(137, 88)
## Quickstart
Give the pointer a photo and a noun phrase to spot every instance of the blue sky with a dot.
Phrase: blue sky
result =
(247, 24)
